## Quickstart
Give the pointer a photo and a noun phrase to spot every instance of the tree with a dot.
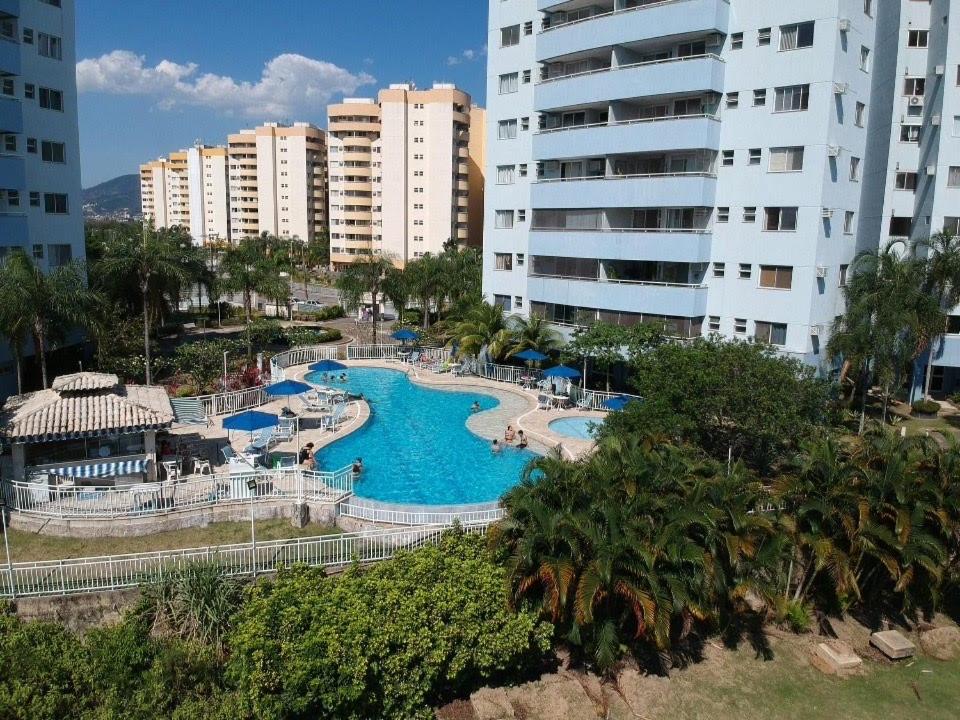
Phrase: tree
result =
(159, 261)
(942, 282)
(605, 344)
(736, 398)
(532, 334)
(426, 279)
(396, 289)
(365, 275)
(203, 360)
(484, 330)
(45, 305)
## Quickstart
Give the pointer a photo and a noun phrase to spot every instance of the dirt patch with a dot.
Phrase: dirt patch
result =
(941, 643)
(78, 613)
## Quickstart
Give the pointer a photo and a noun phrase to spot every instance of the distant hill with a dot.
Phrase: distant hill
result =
(115, 198)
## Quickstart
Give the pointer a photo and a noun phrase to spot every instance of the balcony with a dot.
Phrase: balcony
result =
(11, 115)
(13, 173)
(10, 7)
(630, 25)
(645, 297)
(692, 246)
(9, 57)
(659, 190)
(657, 77)
(670, 132)
(13, 229)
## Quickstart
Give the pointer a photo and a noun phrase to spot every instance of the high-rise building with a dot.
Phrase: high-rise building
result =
(694, 163)
(165, 191)
(40, 197)
(208, 193)
(399, 172)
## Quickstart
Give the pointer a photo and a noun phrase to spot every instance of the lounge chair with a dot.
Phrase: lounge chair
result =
(189, 411)
(331, 421)
(262, 440)
(286, 429)
(543, 403)
(312, 403)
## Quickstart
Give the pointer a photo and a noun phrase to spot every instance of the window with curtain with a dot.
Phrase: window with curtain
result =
(776, 276)
(507, 129)
(795, 37)
(504, 219)
(505, 174)
(953, 176)
(786, 159)
(780, 218)
(792, 97)
(510, 36)
(503, 261)
(771, 333)
(509, 83)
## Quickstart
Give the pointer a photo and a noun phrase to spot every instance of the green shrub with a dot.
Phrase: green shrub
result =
(388, 642)
(925, 407)
(795, 615)
(300, 336)
(185, 391)
(412, 316)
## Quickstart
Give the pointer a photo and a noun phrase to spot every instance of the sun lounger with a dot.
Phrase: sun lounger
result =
(544, 403)
(189, 411)
(331, 421)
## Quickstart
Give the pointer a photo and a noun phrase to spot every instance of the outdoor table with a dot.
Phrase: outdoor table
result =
(560, 401)
(528, 381)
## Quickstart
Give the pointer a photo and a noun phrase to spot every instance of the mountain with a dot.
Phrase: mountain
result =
(117, 199)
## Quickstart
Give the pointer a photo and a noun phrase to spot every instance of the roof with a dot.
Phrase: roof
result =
(74, 411)
(85, 381)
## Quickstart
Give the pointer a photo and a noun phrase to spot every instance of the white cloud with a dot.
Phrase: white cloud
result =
(289, 84)
(468, 55)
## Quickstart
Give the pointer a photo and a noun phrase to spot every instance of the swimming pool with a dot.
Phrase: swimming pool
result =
(580, 428)
(416, 447)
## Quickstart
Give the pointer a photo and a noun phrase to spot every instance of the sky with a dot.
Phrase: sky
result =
(156, 75)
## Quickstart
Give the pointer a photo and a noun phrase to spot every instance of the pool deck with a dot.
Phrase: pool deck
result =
(517, 407)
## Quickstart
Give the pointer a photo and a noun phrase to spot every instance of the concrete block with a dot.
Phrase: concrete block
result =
(835, 658)
(300, 516)
(893, 644)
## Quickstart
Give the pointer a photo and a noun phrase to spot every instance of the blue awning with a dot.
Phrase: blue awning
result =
(102, 469)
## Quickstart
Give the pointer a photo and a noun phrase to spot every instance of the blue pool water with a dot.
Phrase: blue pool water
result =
(575, 427)
(416, 447)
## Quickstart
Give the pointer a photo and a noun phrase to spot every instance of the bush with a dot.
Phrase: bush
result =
(299, 336)
(388, 642)
(925, 407)
(412, 316)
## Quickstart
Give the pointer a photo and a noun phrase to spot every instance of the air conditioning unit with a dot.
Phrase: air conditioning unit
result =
(844, 24)
(833, 150)
(826, 212)
(916, 100)
(939, 70)
(815, 330)
(821, 271)
(931, 170)
(935, 120)
(840, 88)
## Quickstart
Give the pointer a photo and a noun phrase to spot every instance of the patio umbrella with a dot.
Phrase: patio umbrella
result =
(251, 421)
(562, 371)
(404, 334)
(530, 356)
(327, 366)
(287, 388)
(617, 402)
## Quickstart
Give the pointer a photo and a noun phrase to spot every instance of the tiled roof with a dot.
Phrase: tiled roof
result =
(85, 381)
(48, 415)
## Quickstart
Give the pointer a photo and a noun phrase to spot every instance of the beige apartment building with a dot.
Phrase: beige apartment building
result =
(164, 191)
(277, 181)
(399, 173)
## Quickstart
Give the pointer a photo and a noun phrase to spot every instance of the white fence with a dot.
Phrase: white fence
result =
(508, 373)
(164, 498)
(235, 401)
(595, 399)
(304, 356)
(114, 572)
(418, 517)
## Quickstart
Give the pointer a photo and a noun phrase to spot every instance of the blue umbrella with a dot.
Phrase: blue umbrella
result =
(531, 355)
(327, 366)
(617, 402)
(287, 388)
(250, 420)
(561, 371)
(404, 334)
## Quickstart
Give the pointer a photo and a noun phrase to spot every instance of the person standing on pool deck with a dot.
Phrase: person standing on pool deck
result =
(521, 440)
(509, 435)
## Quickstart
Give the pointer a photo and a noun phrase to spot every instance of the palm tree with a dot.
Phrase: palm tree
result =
(942, 281)
(532, 334)
(364, 275)
(160, 261)
(14, 324)
(396, 289)
(46, 305)
(427, 279)
(484, 329)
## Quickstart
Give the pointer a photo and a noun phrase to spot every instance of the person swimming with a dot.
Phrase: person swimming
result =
(521, 440)
(496, 447)
(475, 408)
(509, 434)
(358, 466)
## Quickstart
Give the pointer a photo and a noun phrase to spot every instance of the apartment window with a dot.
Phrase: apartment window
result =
(29, 90)
(509, 83)
(510, 36)
(504, 219)
(503, 261)
(507, 129)
(528, 27)
(918, 38)
(754, 156)
(736, 41)
(723, 214)
(27, 36)
(740, 325)
(956, 126)
(6, 86)
(38, 252)
(727, 158)
(778, 277)
(13, 198)
(868, 8)
(796, 37)
(910, 133)
(906, 181)
(34, 199)
(713, 323)
(10, 143)
(745, 271)
(770, 333)
(505, 175)
(953, 176)
(848, 222)
(31, 145)
(517, 301)
(951, 225)
(55, 203)
(914, 86)
(859, 114)
(750, 214)
(760, 97)
(855, 169)
(521, 215)
(864, 58)
(58, 255)
(763, 36)
(733, 99)
(49, 46)
(52, 152)
(502, 301)
(843, 275)
(524, 124)
(526, 77)
(719, 269)
(520, 257)
(786, 159)
(780, 219)
(791, 98)
(523, 170)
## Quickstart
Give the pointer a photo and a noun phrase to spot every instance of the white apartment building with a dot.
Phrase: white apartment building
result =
(696, 163)
(40, 196)
(399, 172)
(208, 194)
(165, 191)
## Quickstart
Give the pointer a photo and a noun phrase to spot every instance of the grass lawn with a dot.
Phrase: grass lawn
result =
(30, 546)
(738, 685)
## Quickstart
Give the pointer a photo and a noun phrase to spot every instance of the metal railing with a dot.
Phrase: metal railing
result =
(115, 572)
(631, 176)
(634, 121)
(304, 356)
(374, 352)
(617, 281)
(688, 231)
(235, 401)
(645, 6)
(165, 498)
(595, 399)
(507, 373)
(418, 517)
(631, 66)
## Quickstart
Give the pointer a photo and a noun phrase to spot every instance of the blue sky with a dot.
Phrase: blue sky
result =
(151, 82)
